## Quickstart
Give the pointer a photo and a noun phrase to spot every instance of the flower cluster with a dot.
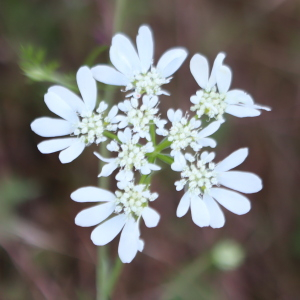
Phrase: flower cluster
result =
(132, 130)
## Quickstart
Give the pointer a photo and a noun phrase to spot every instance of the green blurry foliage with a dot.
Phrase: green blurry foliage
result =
(35, 66)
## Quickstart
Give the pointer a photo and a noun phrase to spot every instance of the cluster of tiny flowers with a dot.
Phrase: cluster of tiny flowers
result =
(133, 199)
(199, 178)
(92, 126)
(183, 134)
(133, 155)
(133, 125)
(210, 103)
(148, 83)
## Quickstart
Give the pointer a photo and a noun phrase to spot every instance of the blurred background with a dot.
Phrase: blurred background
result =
(44, 255)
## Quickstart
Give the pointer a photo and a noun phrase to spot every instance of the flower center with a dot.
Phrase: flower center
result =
(133, 200)
(200, 178)
(131, 155)
(149, 83)
(90, 129)
(182, 134)
(211, 103)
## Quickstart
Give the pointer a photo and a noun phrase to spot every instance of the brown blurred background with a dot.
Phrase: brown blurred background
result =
(44, 255)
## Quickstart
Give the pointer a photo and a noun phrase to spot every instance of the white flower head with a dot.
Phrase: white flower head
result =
(215, 99)
(140, 117)
(134, 68)
(202, 180)
(126, 207)
(78, 119)
(184, 133)
(131, 156)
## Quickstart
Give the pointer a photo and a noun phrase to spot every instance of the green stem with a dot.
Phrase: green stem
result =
(163, 145)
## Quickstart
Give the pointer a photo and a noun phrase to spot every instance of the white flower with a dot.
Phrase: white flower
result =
(130, 155)
(141, 117)
(135, 69)
(215, 102)
(126, 206)
(201, 194)
(184, 133)
(78, 119)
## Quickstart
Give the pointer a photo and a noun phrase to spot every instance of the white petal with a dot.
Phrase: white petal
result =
(87, 86)
(113, 112)
(242, 111)
(177, 116)
(210, 129)
(124, 175)
(150, 216)
(257, 106)
(170, 114)
(94, 215)
(224, 76)
(209, 157)
(92, 194)
(183, 205)
(217, 218)
(125, 55)
(154, 167)
(171, 61)
(49, 127)
(141, 245)
(69, 154)
(232, 161)
(195, 99)
(107, 160)
(69, 97)
(244, 182)
(144, 42)
(199, 69)
(109, 75)
(54, 145)
(108, 169)
(107, 231)
(217, 64)
(145, 170)
(238, 96)
(234, 202)
(179, 163)
(200, 214)
(208, 142)
(129, 241)
(60, 108)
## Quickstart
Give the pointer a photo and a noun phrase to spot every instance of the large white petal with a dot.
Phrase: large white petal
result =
(210, 129)
(87, 86)
(94, 215)
(150, 216)
(107, 231)
(244, 182)
(224, 76)
(109, 75)
(123, 55)
(238, 96)
(217, 218)
(208, 142)
(54, 145)
(242, 111)
(60, 107)
(234, 202)
(129, 241)
(69, 154)
(108, 169)
(171, 61)
(200, 68)
(183, 205)
(144, 42)
(200, 214)
(217, 64)
(49, 127)
(69, 97)
(92, 194)
(232, 160)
